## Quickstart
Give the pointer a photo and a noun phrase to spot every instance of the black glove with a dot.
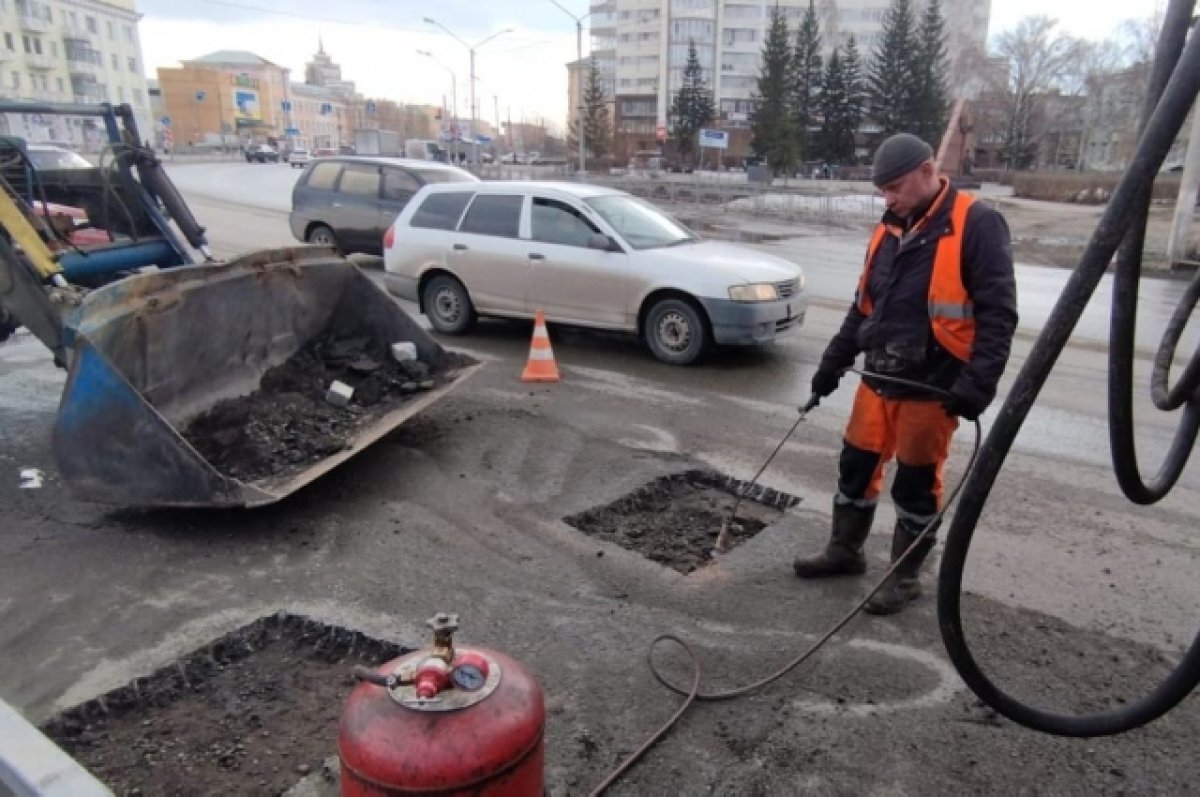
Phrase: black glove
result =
(957, 405)
(825, 382)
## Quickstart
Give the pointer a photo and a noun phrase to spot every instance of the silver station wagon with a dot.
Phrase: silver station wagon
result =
(586, 256)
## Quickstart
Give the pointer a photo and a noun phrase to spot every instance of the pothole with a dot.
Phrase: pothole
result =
(253, 712)
(674, 520)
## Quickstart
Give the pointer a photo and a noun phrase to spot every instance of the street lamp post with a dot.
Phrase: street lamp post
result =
(578, 83)
(470, 48)
(453, 95)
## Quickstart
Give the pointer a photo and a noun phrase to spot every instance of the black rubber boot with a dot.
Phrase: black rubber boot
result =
(843, 555)
(904, 585)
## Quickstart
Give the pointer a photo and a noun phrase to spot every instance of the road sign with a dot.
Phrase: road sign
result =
(370, 106)
(286, 105)
(200, 96)
(483, 140)
(168, 137)
(292, 131)
(165, 121)
(714, 139)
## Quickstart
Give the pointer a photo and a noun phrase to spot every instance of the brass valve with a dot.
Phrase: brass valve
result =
(443, 626)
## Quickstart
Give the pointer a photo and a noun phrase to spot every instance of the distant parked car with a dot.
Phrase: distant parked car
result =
(298, 158)
(588, 256)
(348, 201)
(48, 157)
(261, 153)
(324, 152)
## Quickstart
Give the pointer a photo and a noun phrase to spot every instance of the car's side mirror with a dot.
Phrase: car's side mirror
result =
(602, 242)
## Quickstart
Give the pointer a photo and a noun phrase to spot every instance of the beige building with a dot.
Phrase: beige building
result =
(71, 51)
(229, 95)
(641, 47)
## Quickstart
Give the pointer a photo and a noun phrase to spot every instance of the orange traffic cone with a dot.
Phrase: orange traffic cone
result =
(541, 366)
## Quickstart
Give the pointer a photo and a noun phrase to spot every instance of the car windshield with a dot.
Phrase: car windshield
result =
(640, 223)
(445, 176)
(57, 159)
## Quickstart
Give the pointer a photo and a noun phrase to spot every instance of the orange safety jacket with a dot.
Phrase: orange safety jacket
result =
(951, 312)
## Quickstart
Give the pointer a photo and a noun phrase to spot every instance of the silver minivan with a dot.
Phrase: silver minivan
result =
(587, 256)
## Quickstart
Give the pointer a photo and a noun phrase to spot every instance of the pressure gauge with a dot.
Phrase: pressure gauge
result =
(470, 671)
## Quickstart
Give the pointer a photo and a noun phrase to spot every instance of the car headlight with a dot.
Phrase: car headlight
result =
(801, 283)
(754, 292)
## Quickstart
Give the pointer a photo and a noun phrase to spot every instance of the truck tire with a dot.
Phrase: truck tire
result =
(676, 331)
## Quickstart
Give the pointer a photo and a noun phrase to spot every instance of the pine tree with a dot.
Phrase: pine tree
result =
(889, 78)
(597, 130)
(805, 86)
(692, 108)
(856, 87)
(836, 138)
(772, 126)
(930, 68)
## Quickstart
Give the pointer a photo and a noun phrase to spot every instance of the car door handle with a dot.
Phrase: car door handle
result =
(536, 256)
(337, 204)
(461, 247)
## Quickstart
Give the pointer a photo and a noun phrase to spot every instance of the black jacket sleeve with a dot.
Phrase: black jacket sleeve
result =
(987, 274)
(841, 351)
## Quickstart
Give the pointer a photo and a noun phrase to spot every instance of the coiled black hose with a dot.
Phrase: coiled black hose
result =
(1175, 83)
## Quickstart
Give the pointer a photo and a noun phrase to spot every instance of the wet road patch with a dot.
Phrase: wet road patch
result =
(251, 713)
(675, 520)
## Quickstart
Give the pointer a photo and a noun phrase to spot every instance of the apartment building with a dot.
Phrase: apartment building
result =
(641, 47)
(71, 51)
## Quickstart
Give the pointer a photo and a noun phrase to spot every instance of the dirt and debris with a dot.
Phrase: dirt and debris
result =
(288, 423)
(675, 520)
(252, 713)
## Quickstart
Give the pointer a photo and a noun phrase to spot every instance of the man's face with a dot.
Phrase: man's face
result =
(904, 194)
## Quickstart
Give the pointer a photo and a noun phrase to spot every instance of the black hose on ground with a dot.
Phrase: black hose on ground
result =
(1175, 83)
(693, 694)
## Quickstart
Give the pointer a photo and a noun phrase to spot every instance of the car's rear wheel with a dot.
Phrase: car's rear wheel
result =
(448, 305)
(676, 332)
(320, 235)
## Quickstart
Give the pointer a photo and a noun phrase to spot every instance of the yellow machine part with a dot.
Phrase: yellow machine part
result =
(23, 233)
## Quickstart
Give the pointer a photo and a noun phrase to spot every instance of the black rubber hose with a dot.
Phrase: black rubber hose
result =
(1128, 202)
(1122, 353)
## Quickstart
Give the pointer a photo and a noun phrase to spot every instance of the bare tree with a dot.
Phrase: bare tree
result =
(1137, 38)
(1038, 57)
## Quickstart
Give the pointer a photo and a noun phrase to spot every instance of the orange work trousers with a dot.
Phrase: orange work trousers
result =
(917, 432)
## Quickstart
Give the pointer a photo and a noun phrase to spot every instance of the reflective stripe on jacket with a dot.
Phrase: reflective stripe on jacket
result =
(951, 312)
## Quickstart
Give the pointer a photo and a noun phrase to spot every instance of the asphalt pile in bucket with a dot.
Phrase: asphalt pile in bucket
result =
(288, 423)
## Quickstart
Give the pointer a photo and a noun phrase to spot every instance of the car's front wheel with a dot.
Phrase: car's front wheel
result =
(676, 332)
(448, 305)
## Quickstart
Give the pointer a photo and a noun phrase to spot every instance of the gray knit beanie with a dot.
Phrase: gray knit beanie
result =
(897, 156)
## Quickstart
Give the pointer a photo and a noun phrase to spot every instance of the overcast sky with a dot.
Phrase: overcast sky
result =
(376, 42)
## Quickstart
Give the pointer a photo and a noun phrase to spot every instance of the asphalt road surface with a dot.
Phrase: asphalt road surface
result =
(1078, 599)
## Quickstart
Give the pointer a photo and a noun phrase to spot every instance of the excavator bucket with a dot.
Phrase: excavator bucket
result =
(214, 386)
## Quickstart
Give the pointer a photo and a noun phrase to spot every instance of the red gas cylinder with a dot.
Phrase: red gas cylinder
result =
(446, 721)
